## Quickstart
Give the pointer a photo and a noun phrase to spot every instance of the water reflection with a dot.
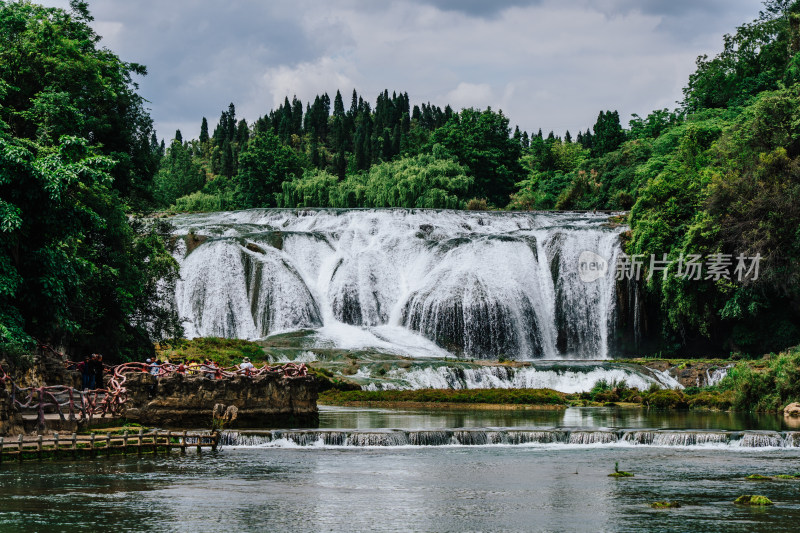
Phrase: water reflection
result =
(599, 417)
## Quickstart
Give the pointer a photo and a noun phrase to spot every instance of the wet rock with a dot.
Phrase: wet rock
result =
(188, 401)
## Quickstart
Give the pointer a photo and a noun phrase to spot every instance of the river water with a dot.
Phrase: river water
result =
(280, 486)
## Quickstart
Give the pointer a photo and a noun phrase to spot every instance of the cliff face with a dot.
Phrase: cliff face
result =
(187, 402)
(10, 419)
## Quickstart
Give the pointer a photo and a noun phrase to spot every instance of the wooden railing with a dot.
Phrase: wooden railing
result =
(20, 449)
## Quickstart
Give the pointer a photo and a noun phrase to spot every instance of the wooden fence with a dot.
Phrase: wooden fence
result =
(74, 446)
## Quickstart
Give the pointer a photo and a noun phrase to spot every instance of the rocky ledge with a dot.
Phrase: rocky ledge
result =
(188, 402)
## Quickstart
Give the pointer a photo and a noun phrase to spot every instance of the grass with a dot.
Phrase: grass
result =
(757, 477)
(469, 396)
(226, 352)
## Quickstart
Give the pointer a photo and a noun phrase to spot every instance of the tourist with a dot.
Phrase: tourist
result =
(181, 368)
(99, 370)
(92, 367)
(86, 373)
(208, 369)
(246, 367)
(155, 369)
(146, 366)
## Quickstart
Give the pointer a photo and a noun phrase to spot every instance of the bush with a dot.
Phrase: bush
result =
(477, 204)
(666, 399)
(767, 389)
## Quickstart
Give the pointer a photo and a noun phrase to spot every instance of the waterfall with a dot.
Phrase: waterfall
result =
(572, 377)
(408, 282)
(512, 437)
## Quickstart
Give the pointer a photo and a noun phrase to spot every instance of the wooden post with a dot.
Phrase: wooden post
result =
(55, 448)
(155, 443)
(92, 452)
(139, 446)
(39, 446)
(199, 443)
(108, 444)
(74, 445)
(183, 443)
(19, 447)
(215, 436)
(125, 442)
(1, 449)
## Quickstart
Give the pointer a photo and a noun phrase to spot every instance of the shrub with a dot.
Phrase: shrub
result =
(666, 399)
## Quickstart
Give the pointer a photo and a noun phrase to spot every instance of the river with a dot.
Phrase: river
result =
(281, 486)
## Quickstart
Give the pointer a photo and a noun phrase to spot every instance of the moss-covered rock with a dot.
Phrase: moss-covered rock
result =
(620, 473)
(757, 477)
(753, 500)
(665, 505)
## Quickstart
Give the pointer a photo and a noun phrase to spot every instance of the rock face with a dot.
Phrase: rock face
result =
(188, 402)
(792, 410)
(10, 419)
(694, 374)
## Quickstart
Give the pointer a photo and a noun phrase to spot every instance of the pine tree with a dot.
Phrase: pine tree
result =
(204, 131)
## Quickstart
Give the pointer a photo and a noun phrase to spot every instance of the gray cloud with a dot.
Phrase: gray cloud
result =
(479, 8)
(546, 63)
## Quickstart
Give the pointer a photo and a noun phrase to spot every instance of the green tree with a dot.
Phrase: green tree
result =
(263, 166)
(178, 175)
(61, 82)
(481, 141)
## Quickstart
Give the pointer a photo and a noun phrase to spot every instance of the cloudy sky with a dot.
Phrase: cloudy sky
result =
(547, 64)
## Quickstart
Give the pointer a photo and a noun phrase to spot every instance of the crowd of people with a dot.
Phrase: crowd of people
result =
(93, 371)
(208, 368)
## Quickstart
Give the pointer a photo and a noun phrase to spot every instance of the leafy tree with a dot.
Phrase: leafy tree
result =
(263, 166)
(75, 146)
(60, 82)
(481, 141)
(756, 58)
(178, 175)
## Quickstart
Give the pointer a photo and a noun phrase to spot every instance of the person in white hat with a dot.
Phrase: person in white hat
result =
(245, 367)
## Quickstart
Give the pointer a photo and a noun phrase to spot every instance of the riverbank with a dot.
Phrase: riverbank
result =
(602, 395)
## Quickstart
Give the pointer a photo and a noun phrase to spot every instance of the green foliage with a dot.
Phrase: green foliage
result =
(767, 389)
(264, 166)
(179, 175)
(666, 399)
(60, 82)
(73, 270)
(226, 352)
(424, 181)
(200, 202)
(754, 59)
(608, 134)
(480, 140)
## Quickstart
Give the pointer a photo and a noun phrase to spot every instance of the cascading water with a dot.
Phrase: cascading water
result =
(514, 437)
(409, 282)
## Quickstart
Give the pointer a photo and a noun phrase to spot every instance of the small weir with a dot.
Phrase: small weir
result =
(512, 437)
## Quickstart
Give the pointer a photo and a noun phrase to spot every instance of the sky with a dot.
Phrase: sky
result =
(549, 64)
